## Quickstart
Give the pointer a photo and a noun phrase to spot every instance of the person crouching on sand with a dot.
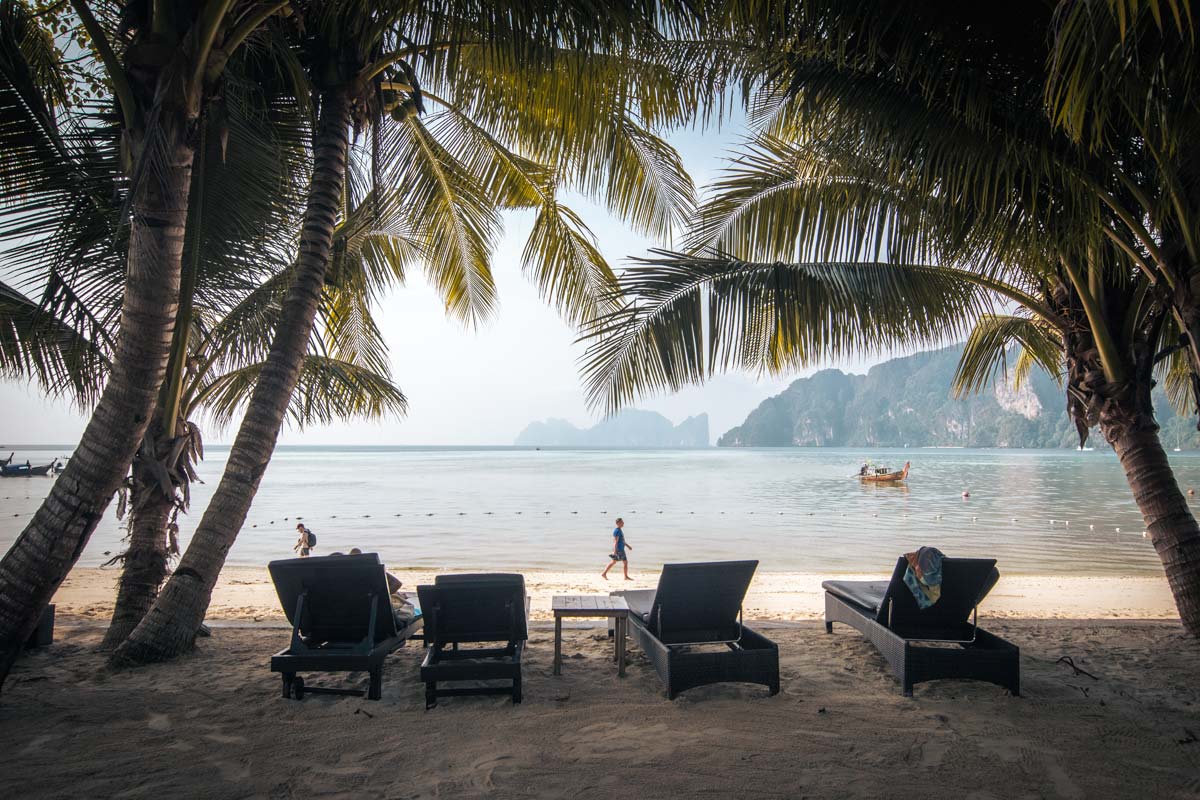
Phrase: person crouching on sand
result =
(618, 553)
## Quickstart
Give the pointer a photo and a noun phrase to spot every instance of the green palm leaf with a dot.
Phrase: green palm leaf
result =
(691, 316)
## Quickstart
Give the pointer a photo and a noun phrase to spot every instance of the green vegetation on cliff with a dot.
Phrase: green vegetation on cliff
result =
(908, 401)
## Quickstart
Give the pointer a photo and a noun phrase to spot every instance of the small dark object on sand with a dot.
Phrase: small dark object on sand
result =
(1070, 662)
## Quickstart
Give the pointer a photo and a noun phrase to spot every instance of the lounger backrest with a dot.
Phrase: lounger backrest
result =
(700, 602)
(336, 607)
(474, 608)
(965, 582)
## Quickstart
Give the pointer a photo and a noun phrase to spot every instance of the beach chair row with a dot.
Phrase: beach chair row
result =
(474, 627)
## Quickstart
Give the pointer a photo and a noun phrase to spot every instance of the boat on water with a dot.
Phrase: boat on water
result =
(24, 470)
(883, 474)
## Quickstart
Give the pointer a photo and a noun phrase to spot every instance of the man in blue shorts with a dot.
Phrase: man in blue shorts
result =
(618, 553)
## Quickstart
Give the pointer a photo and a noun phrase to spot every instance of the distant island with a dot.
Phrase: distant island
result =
(629, 428)
(908, 402)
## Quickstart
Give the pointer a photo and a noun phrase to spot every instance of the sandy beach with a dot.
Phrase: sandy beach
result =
(213, 725)
(246, 594)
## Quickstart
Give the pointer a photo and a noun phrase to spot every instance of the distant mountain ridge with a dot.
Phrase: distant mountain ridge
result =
(629, 428)
(909, 402)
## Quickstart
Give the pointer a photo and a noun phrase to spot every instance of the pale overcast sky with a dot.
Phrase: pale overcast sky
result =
(475, 386)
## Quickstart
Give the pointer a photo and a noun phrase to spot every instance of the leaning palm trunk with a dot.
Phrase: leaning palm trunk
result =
(144, 563)
(171, 624)
(1169, 522)
(38, 561)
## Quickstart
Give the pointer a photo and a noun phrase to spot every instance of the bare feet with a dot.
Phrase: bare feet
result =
(628, 578)
(604, 575)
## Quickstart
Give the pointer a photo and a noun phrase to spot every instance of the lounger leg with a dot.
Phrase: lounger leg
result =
(621, 632)
(430, 694)
(516, 693)
(557, 644)
(287, 684)
(828, 626)
(375, 691)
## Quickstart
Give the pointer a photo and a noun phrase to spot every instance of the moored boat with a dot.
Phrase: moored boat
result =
(883, 474)
(24, 470)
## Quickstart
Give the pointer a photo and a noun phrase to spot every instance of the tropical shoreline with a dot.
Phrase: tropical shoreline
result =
(247, 594)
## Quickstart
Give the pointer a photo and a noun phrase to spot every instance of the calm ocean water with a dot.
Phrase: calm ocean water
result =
(793, 509)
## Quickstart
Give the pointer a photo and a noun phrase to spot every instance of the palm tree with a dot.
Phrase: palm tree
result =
(930, 146)
(161, 62)
(368, 61)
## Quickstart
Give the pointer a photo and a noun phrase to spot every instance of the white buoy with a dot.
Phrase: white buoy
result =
(966, 494)
(1091, 527)
(974, 519)
(1118, 530)
(1051, 522)
(1145, 535)
(1067, 522)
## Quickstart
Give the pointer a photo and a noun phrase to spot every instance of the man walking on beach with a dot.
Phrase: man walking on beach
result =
(618, 553)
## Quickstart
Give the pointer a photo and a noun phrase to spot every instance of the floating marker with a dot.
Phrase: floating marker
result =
(1118, 530)
(1067, 522)
(974, 519)
(874, 515)
(1051, 522)
(1091, 527)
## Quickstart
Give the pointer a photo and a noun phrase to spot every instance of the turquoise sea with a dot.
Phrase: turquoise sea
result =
(1038, 511)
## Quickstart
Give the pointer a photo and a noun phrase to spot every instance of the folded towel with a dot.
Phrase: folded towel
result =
(924, 575)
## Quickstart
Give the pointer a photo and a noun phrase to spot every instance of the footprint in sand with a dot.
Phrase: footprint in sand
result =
(159, 722)
(635, 744)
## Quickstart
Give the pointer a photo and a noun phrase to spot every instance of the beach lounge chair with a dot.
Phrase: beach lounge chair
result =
(696, 605)
(914, 641)
(474, 609)
(342, 621)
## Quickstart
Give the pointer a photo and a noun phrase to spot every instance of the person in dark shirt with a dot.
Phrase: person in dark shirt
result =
(618, 553)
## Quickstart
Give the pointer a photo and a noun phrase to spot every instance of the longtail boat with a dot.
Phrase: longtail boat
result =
(24, 470)
(884, 474)
(4, 462)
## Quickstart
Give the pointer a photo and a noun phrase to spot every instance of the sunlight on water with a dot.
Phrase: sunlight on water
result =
(793, 509)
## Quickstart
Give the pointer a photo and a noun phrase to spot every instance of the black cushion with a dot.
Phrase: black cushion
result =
(866, 594)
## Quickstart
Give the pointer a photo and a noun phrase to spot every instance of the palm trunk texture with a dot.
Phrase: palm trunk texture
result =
(169, 628)
(145, 562)
(1169, 521)
(40, 558)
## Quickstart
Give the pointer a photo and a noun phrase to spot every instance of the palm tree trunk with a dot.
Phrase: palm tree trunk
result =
(35, 566)
(145, 562)
(171, 624)
(1169, 521)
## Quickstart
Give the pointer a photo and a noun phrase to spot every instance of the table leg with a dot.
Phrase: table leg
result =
(557, 644)
(622, 624)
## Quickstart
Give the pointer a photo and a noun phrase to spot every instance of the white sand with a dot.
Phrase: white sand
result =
(246, 593)
(213, 725)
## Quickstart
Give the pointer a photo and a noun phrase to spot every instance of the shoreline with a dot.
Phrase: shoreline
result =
(247, 594)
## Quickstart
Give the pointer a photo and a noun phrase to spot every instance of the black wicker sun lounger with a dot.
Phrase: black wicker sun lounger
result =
(473, 609)
(341, 617)
(914, 640)
(696, 605)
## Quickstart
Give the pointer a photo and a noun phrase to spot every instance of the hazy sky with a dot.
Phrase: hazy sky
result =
(475, 386)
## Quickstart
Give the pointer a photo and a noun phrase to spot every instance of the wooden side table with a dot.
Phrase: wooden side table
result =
(591, 605)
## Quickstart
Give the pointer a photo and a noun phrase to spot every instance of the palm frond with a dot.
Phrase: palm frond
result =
(989, 346)
(52, 350)
(328, 389)
(690, 316)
